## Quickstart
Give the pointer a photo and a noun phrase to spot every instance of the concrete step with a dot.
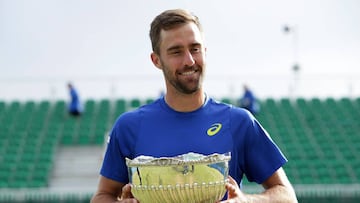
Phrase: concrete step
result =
(77, 167)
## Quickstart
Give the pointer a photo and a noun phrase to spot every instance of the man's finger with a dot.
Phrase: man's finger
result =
(126, 192)
(232, 181)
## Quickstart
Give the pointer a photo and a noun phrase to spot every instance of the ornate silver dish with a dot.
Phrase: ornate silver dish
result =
(188, 178)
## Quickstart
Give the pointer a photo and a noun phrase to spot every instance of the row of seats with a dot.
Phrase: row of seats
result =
(319, 137)
(30, 133)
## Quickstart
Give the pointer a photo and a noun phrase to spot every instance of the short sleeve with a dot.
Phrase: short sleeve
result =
(114, 166)
(262, 155)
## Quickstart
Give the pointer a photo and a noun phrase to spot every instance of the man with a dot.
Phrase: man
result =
(179, 123)
(248, 101)
(74, 108)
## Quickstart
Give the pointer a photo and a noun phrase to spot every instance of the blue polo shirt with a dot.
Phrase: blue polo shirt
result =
(159, 131)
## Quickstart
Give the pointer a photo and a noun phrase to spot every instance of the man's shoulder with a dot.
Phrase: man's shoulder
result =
(224, 105)
(135, 114)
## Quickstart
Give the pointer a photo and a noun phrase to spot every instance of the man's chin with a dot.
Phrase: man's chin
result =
(191, 91)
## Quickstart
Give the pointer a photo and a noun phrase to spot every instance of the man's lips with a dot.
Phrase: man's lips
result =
(187, 73)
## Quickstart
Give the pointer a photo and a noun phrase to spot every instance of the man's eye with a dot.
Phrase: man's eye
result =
(195, 50)
(177, 52)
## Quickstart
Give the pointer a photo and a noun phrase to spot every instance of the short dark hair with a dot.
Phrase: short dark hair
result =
(167, 20)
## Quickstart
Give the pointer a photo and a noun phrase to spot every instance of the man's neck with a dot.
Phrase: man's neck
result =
(185, 102)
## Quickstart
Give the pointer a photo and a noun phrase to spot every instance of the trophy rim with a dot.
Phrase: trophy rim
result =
(190, 158)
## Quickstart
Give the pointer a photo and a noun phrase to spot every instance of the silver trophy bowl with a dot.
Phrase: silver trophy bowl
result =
(188, 178)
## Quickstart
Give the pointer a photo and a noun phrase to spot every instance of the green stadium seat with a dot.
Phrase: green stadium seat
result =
(2, 106)
(14, 106)
(120, 107)
(89, 106)
(149, 100)
(135, 103)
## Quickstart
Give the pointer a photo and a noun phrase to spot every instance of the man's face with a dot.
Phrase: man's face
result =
(182, 58)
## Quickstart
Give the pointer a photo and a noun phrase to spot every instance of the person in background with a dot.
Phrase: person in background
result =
(187, 120)
(249, 101)
(74, 107)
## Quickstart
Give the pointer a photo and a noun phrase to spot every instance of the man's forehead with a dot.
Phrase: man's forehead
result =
(185, 35)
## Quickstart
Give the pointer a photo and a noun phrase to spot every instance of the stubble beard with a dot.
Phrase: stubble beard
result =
(185, 86)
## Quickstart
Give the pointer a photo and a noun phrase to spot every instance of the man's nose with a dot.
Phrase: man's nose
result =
(189, 59)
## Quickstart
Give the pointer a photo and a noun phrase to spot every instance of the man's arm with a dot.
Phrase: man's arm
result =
(277, 189)
(111, 191)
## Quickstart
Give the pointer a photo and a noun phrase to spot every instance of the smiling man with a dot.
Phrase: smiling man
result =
(187, 120)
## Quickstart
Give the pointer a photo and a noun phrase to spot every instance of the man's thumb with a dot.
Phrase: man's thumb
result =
(126, 192)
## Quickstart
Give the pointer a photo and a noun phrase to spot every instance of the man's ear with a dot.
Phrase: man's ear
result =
(156, 60)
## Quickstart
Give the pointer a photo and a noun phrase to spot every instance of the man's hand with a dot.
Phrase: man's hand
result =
(277, 189)
(110, 191)
(235, 195)
(127, 196)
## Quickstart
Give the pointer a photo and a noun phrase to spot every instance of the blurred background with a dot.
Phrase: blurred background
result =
(301, 59)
